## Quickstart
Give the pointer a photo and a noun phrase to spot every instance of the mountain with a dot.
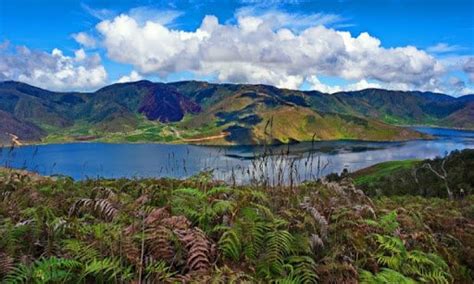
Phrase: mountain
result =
(205, 113)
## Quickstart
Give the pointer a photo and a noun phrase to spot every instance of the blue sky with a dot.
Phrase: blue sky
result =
(43, 36)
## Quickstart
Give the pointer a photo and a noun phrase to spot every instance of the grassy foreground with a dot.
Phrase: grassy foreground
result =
(202, 231)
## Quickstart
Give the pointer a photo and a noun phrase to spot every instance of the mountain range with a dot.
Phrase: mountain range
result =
(223, 114)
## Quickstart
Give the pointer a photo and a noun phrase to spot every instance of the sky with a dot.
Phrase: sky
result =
(325, 45)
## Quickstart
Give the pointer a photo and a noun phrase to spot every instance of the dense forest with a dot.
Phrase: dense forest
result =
(198, 230)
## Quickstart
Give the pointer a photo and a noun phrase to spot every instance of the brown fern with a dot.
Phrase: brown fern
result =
(318, 217)
(176, 222)
(198, 247)
(131, 250)
(156, 215)
(159, 243)
(102, 207)
(6, 264)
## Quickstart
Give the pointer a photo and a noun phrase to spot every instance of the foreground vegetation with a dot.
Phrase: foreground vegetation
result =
(451, 177)
(200, 230)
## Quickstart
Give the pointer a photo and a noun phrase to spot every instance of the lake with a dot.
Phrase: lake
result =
(241, 164)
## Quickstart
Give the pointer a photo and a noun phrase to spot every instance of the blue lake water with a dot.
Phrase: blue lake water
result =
(297, 162)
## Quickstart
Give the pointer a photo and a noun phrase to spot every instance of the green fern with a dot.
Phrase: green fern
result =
(107, 269)
(46, 270)
(424, 267)
(202, 208)
(388, 223)
(303, 269)
(80, 251)
(158, 272)
(385, 276)
(230, 244)
(278, 246)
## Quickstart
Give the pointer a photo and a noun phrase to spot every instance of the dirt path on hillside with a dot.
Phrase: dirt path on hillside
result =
(222, 135)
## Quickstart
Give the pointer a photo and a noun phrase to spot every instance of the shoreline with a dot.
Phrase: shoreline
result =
(16, 143)
(26, 144)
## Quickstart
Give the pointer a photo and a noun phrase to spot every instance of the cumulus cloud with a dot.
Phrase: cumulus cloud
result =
(133, 77)
(52, 70)
(263, 49)
(84, 39)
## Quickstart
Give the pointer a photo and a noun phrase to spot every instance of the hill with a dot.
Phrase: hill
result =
(201, 112)
(417, 177)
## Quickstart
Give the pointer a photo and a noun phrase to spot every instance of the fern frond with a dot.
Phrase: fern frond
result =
(279, 244)
(103, 208)
(45, 270)
(80, 251)
(106, 268)
(20, 274)
(303, 268)
(385, 276)
(230, 244)
(158, 272)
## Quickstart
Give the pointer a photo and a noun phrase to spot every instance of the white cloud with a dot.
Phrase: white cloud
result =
(80, 55)
(443, 48)
(133, 77)
(276, 19)
(84, 39)
(468, 67)
(261, 49)
(316, 84)
(52, 70)
(98, 13)
(144, 14)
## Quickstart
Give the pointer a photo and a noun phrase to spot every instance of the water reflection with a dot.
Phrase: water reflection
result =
(286, 163)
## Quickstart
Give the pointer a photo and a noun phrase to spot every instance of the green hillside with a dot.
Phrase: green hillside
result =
(205, 113)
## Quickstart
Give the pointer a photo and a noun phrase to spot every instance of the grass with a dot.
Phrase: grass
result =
(145, 131)
(375, 172)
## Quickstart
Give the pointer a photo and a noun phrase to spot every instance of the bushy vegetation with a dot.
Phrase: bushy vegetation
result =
(200, 230)
(450, 176)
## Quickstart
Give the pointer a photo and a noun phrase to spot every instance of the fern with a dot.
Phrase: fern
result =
(202, 208)
(388, 223)
(6, 264)
(278, 246)
(80, 251)
(303, 269)
(385, 276)
(158, 272)
(45, 270)
(230, 244)
(425, 267)
(106, 269)
(102, 208)
(20, 274)
(392, 252)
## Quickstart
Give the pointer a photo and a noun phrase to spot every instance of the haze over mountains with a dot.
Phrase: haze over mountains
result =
(200, 112)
